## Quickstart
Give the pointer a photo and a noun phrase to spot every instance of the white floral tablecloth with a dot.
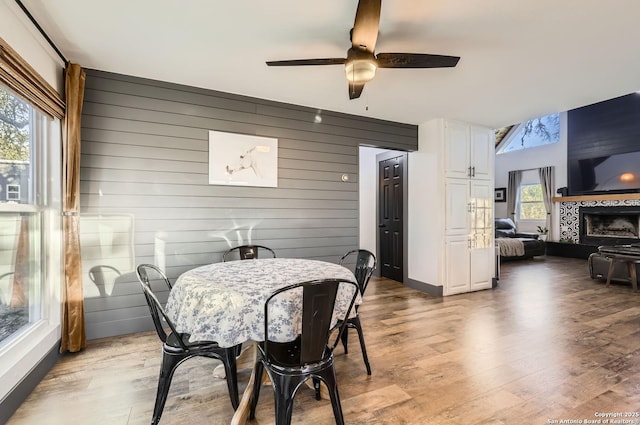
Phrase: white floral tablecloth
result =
(224, 302)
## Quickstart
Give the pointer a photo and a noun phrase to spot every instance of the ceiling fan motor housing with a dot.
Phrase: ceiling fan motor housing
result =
(360, 66)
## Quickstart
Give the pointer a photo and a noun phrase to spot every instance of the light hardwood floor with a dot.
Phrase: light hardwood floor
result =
(547, 344)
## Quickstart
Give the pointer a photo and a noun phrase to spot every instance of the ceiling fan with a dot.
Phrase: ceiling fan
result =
(361, 61)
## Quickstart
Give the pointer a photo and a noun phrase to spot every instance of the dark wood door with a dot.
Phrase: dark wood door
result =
(390, 217)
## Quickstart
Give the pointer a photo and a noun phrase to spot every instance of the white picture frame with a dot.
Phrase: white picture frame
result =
(242, 160)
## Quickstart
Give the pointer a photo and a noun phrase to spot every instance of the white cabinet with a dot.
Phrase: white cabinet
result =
(468, 151)
(468, 235)
(457, 177)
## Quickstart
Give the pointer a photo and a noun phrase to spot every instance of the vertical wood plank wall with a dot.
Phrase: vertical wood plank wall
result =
(145, 196)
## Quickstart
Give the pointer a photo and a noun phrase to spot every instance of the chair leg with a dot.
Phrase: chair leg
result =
(238, 349)
(231, 370)
(329, 378)
(258, 370)
(285, 389)
(168, 367)
(345, 338)
(316, 387)
(358, 326)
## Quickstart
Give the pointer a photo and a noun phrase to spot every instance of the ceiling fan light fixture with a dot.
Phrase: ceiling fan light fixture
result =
(360, 70)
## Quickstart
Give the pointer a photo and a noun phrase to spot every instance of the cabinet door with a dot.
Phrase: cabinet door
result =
(456, 278)
(482, 152)
(481, 268)
(457, 207)
(481, 211)
(456, 150)
(482, 253)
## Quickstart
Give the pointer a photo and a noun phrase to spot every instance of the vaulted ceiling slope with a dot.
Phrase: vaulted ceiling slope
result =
(519, 59)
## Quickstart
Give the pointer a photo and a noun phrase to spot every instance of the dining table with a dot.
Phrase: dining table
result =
(224, 302)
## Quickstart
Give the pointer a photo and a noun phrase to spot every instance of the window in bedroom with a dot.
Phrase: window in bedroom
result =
(531, 203)
(535, 132)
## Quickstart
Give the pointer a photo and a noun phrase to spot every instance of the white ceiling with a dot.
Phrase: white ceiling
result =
(520, 58)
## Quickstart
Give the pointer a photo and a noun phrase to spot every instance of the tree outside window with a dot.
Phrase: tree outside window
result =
(14, 127)
(531, 205)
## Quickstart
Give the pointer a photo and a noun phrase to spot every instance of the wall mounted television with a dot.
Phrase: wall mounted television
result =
(618, 173)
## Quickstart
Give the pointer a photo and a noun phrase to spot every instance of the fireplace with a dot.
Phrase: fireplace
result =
(609, 225)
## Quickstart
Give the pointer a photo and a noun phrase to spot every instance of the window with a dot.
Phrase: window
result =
(21, 215)
(30, 243)
(13, 192)
(536, 132)
(531, 203)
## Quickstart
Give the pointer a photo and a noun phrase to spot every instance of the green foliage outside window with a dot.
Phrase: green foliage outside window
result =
(14, 127)
(531, 202)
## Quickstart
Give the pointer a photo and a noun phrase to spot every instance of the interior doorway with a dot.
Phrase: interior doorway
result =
(369, 210)
(391, 213)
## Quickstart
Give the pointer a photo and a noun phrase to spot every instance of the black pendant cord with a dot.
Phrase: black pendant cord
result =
(44, 34)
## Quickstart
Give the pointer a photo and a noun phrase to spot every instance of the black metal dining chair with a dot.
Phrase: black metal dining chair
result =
(310, 356)
(364, 263)
(247, 252)
(176, 347)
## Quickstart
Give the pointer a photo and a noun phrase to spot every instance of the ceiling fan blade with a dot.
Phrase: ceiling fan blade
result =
(355, 90)
(300, 62)
(365, 27)
(415, 60)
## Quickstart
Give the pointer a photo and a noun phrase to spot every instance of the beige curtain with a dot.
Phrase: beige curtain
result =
(513, 187)
(73, 328)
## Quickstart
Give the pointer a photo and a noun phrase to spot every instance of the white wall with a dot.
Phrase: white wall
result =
(368, 190)
(425, 206)
(17, 359)
(549, 155)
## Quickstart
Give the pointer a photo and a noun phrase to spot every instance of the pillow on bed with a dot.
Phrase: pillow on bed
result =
(505, 223)
(505, 233)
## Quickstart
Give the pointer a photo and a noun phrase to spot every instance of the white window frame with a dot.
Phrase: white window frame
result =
(520, 202)
(13, 192)
(27, 348)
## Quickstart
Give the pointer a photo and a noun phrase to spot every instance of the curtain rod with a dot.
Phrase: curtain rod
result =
(44, 34)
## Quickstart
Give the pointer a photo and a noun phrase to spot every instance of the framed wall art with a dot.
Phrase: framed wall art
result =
(242, 160)
(500, 194)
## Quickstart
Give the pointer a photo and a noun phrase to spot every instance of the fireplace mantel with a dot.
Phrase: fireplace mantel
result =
(607, 197)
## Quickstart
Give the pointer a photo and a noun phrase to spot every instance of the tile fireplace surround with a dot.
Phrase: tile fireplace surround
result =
(570, 213)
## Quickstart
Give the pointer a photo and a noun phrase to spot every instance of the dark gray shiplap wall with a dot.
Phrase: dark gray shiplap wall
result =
(145, 196)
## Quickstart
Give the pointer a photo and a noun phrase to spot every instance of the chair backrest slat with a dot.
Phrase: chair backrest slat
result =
(247, 252)
(146, 274)
(316, 319)
(365, 264)
(318, 302)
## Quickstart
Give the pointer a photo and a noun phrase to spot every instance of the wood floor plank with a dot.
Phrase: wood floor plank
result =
(548, 343)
